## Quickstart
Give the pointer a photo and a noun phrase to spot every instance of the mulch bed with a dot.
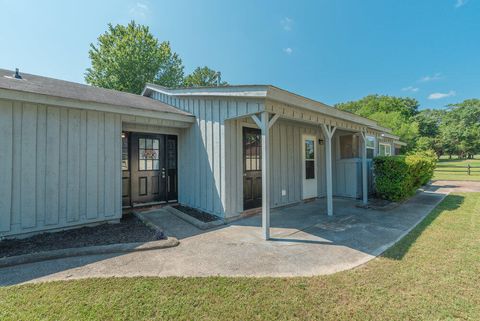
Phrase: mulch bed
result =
(199, 215)
(129, 230)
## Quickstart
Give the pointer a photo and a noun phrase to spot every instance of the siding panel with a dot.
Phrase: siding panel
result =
(41, 162)
(109, 173)
(73, 166)
(52, 166)
(6, 163)
(28, 165)
(92, 164)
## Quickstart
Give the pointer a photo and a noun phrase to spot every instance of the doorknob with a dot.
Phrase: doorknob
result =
(245, 174)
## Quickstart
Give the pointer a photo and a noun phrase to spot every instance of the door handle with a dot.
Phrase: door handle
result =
(163, 172)
(244, 174)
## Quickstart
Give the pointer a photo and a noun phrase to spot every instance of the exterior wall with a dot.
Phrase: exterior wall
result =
(211, 153)
(285, 163)
(60, 167)
(347, 173)
(202, 149)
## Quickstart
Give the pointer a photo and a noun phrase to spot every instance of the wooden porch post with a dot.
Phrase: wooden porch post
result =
(328, 132)
(364, 169)
(265, 122)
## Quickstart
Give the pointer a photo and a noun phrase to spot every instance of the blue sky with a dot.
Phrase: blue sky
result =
(332, 51)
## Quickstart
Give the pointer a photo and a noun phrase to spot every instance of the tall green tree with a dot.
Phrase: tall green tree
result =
(203, 77)
(460, 128)
(429, 121)
(396, 113)
(371, 104)
(125, 58)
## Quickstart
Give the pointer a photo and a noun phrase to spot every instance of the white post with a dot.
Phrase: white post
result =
(328, 132)
(265, 175)
(364, 169)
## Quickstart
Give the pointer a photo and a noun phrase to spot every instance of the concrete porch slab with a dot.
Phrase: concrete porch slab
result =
(305, 242)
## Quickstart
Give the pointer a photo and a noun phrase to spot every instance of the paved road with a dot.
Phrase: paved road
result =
(305, 242)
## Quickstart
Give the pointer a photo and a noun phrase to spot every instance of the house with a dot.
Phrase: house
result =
(74, 155)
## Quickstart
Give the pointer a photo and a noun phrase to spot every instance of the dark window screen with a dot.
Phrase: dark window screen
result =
(309, 169)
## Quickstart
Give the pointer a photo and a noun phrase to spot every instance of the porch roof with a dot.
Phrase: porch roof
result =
(269, 92)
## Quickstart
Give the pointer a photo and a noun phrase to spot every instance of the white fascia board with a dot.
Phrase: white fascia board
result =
(255, 91)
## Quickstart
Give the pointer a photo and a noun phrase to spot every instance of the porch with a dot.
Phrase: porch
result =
(303, 243)
(277, 160)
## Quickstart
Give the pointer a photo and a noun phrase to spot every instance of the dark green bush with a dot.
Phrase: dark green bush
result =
(398, 177)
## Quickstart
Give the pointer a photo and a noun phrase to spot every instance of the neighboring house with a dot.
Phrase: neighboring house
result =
(72, 154)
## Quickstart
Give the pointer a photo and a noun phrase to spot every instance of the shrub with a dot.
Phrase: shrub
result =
(398, 177)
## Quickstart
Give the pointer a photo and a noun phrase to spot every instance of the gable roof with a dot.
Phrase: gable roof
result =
(70, 90)
(267, 92)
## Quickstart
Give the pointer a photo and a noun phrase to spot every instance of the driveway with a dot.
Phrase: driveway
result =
(305, 242)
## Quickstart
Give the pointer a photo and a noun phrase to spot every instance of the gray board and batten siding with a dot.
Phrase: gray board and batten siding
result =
(60, 152)
(51, 176)
(212, 162)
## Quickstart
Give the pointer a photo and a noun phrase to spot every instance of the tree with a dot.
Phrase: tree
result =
(203, 77)
(392, 112)
(371, 104)
(170, 73)
(429, 121)
(127, 57)
(460, 129)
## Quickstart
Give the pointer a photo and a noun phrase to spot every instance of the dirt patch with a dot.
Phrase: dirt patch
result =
(129, 230)
(199, 215)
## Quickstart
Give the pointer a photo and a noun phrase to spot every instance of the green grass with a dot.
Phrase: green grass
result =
(431, 274)
(456, 173)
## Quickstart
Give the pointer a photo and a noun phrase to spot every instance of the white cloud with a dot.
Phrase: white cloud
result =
(411, 89)
(451, 93)
(436, 76)
(460, 3)
(287, 23)
(288, 50)
(139, 10)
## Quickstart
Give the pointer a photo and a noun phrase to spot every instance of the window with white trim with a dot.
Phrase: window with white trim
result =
(370, 147)
(385, 149)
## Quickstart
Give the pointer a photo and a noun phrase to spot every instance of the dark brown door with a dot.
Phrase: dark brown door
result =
(252, 168)
(153, 168)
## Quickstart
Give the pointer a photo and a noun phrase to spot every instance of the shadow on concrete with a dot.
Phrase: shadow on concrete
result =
(17, 274)
(364, 230)
(398, 251)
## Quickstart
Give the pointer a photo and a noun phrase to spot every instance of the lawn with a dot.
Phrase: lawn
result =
(456, 169)
(432, 274)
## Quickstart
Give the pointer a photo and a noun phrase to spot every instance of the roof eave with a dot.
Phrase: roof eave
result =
(12, 94)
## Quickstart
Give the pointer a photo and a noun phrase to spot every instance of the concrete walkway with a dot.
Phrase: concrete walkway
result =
(305, 242)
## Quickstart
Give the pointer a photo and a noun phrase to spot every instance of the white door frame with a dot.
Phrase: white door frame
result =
(309, 186)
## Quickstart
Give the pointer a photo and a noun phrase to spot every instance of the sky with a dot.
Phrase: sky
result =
(328, 50)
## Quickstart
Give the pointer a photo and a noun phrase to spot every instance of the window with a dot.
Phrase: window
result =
(124, 152)
(148, 154)
(309, 159)
(252, 150)
(349, 146)
(385, 149)
(370, 147)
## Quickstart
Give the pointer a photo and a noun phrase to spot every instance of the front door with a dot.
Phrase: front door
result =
(252, 168)
(153, 168)
(309, 167)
